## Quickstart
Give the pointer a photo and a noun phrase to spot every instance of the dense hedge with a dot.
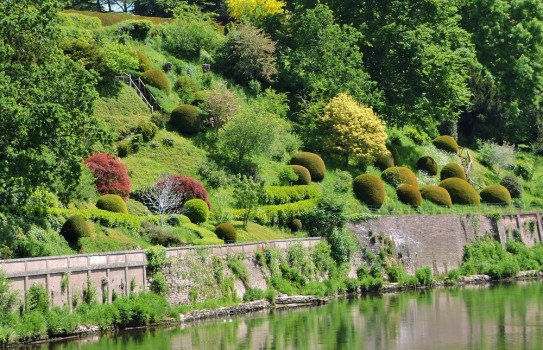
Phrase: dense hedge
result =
(437, 195)
(312, 162)
(279, 214)
(156, 78)
(186, 119)
(461, 191)
(226, 232)
(496, 194)
(304, 177)
(196, 210)
(384, 162)
(513, 185)
(74, 228)
(452, 170)
(446, 143)
(399, 175)
(369, 189)
(112, 203)
(144, 62)
(289, 194)
(427, 164)
(104, 218)
(410, 195)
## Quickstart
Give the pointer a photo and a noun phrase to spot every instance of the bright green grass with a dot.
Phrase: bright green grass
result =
(255, 232)
(109, 240)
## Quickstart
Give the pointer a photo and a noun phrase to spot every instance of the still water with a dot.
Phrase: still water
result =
(499, 317)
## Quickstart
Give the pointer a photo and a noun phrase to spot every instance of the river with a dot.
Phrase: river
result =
(503, 316)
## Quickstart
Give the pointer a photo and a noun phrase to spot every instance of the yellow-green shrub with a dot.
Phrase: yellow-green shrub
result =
(156, 78)
(369, 189)
(196, 210)
(427, 164)
(304, 177)
(410, 195)
(112, 203)
(399, 175)
(452, 170)
(289, 194)
(446, 143)
(496, 194)
(437, 195)
(226, 232)
(312, 162)
(461, 191)
(144, 62)
(279, 214)
(74, 228)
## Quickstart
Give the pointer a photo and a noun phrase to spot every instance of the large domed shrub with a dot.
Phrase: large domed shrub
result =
(384, 162)
(446, 143)
(74, 228)
(461, 191)
(427, 164)
(226, 232)
(437, 195)
(186, 119)
(196, 210)
(369, 189)
(156, 78)
(111, 175)
(452, 170)
(304, 177)
(513, 186)
(409, 194)
(398, 175)
(496, 194)
(312, 162)
(112, 203)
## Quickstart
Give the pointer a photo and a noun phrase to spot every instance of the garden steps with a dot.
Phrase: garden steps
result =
(143, 92)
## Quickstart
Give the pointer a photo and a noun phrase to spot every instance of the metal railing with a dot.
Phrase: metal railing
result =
(142, 90)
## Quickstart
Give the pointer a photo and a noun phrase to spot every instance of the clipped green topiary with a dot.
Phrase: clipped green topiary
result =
(452, 170)
(186, 119)
(446, 143)
(370, 190)
(496, 194)
(384, 162)
(437, 195)
(144, 62)
(112, 203)
(156, 78)
(295, 225)
(399, 175)
(147, 129)
(513, 185)
(196, 210)
(74, 228)
(227, 232)
(312, 162)
(461, 191)
(410, 195)
(304, 177)
(427, 164)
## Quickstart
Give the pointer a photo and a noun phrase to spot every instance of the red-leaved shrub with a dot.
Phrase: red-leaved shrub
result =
(187, 187)
(111, 175)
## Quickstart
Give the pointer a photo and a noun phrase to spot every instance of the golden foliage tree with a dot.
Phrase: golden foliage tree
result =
(352, 129)
(254, 9)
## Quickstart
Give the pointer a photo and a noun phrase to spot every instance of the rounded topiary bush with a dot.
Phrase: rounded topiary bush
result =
(513, 185)
(295, 225)
(446, 143)
(452, 170)
(156, 78)
(74, 228)
(304, 177)
(384, 162)
(113, 203)
(399, 175)
(437, 195)
(496, 194)
(370, 190)
(461, 191)
(186, 119)
(410, 195)
(147, 129)
(196, 210)
(427, 164)
(312, 162)
(227, 232)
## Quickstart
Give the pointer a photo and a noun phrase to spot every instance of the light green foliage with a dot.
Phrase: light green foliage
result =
(112, 203)
(196, 210)
(343, 244)
(424, 276)
(8, 297)
(289, 194)
(248, 195)
(494, 156)
(238, 268)
(486, 256)
(43, 198)
(287, 176)
(37, 299)
(279, 213)
(156, 259)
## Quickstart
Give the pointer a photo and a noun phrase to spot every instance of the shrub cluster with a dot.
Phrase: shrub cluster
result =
(437, 195)
(289, 194)
(144, 62)
(427, 164)
(137, 30)
(186, 119)
(196, 210)
(496, 194)
(452, 170)
(384, 162)
(74, 228)
(461, 191)
(304, 177)
(446, 143)
(410, 195)
(111, 175)
(399, 175)
(185, 88)
(187, 187)
(226, 232)
(156, 78)
(513, 186)
(147, 130)
(369, 189)
(312, 162)
(112, 203)
(279, 214)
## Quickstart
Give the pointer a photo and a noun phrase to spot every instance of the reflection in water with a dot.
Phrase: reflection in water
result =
(499, 317)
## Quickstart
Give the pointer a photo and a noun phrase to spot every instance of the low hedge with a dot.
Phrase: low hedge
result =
(461, 191)
(437, 195)
(289, 194)
(226, 232)
(410, 195)
(446, 143)
(399, 175)
(304, 177)
(196, 210)
(112, 203)
(279, 214)
(102, 217)
(427, 164)
(74, 228)
(156, 78)
(312, 162)
(369, 189)
(496, 194)
(452, 170)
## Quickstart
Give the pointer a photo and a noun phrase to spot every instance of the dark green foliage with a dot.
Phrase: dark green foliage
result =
(409, 195)
(312, 162)
(370, 190)
(384, 162)
(446, 143)
(137, 30)
(437, 195)
(186, 88)
(112, 203)
(486, 256)
(159, 284)
(74, 228)
(395, 154)
(524, 169)
(343, 244)
(37, 299)
(147, 130)
(461, 191)
(226, 232)
(186, 119)
(144, 62)
(452, 170)
(196, 210)
(156, 78)
(295, 225)
(424, 276)
(427, 164)
(398, 175)
(513, 186)
(496, 194)
(304, 177)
